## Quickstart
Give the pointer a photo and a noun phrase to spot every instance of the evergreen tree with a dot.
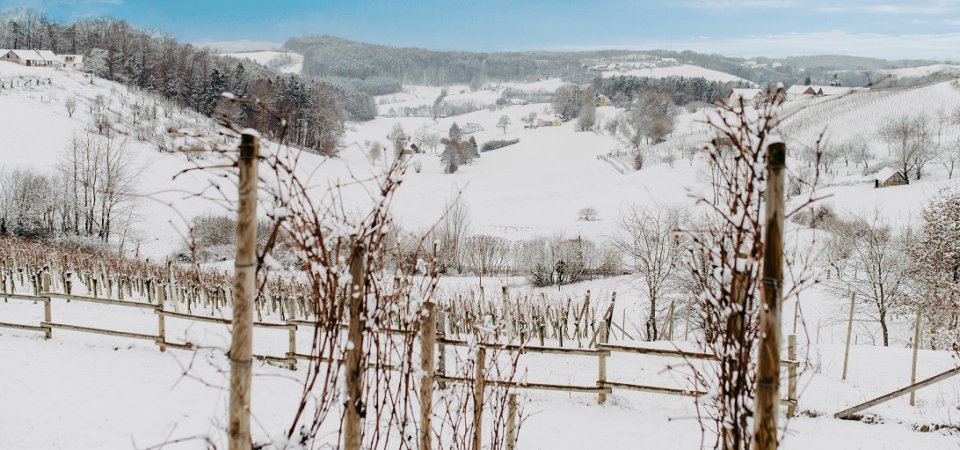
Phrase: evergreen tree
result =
(455, 134)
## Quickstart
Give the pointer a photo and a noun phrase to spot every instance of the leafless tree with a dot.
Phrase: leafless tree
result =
(486, 254)
(648, 236)
(71, 105)
(909, 141)
(877, 270)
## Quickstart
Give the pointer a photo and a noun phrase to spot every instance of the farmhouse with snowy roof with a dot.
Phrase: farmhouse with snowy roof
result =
(750, 96)
(887, 177)
(33, 58)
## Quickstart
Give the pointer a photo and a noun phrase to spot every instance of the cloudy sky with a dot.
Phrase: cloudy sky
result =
(888, 29)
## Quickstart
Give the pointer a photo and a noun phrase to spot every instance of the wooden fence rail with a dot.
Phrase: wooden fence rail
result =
(602, 352)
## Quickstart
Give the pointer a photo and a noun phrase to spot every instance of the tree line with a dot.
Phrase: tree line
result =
(308, 112)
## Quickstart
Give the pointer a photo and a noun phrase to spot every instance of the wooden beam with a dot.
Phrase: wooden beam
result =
(147, 337)
(897, 393)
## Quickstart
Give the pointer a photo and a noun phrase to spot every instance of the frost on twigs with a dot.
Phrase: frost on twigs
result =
(724, 257)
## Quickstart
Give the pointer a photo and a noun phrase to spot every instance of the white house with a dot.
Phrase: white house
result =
(33, 58)
(750, 96)
(71, 61)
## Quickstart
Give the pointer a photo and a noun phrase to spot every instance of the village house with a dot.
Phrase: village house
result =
(750, 96)
(73, 61)
(799, 91)
(470, 128)
(602, 100)
(549, 122)
(887, 177)
(33, 58)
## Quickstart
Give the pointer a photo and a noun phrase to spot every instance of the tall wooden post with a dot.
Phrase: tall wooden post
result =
(916, 347)
(792, 375)
(846, 351)
(428, 337)
(442, 348)
(768, 367)
(352, 430)
(478, 386)
(244, 286)
(511, 421)
(602, 363)
(47, 317)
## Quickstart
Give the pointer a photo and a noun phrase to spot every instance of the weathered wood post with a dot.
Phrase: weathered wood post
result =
(670, 322)
(442, 348)
(916, 347)
(768, 367)
(478, 386)
(47, 317)
(511, 421)
(846, 350)
(244, 286)
(352, 430)
(161, 329)
(792, 375)
(292, 346)
(428, 337)
(602, 363)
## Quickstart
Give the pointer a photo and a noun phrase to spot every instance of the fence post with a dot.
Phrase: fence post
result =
(244, 282)
(602, 363)
(442, 348)
(161, 329)
(47, 317)
(478, 385)
(428, 337)
(354, 369)
(846, 350)
(768, 365)
(512, 421)
(670, 322)
(792, 375)
(916, 347)
(292, 350)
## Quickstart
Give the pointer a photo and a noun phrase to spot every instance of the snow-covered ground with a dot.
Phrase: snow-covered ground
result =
(682, 70)
(79, 391)
(286, 62)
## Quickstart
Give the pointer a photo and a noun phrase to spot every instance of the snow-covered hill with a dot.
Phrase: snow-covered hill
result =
(533, 188)
(286, 62)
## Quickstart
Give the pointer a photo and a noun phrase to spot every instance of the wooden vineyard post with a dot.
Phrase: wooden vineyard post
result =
(796, 314)
(512, 421)
(244, 285)
(352, 432)
(670, 322)
(792, 375)
(506, 314)
(161, 330)
(292, 346)
(478, 386)
(442, 348)
(768, 364)
(428, 337)
(602, 363)
(916, 347)
(846, 350)
(47, 317)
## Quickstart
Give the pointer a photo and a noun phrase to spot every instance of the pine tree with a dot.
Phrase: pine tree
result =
(455, 134)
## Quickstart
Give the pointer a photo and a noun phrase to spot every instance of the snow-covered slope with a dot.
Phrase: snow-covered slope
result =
(682, 70)
(286, 62)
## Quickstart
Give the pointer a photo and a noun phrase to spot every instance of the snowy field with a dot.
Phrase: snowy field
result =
(79, 391)
(113, 393)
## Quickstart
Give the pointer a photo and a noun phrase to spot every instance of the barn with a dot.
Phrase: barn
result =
(887, 177)
(33, 58)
